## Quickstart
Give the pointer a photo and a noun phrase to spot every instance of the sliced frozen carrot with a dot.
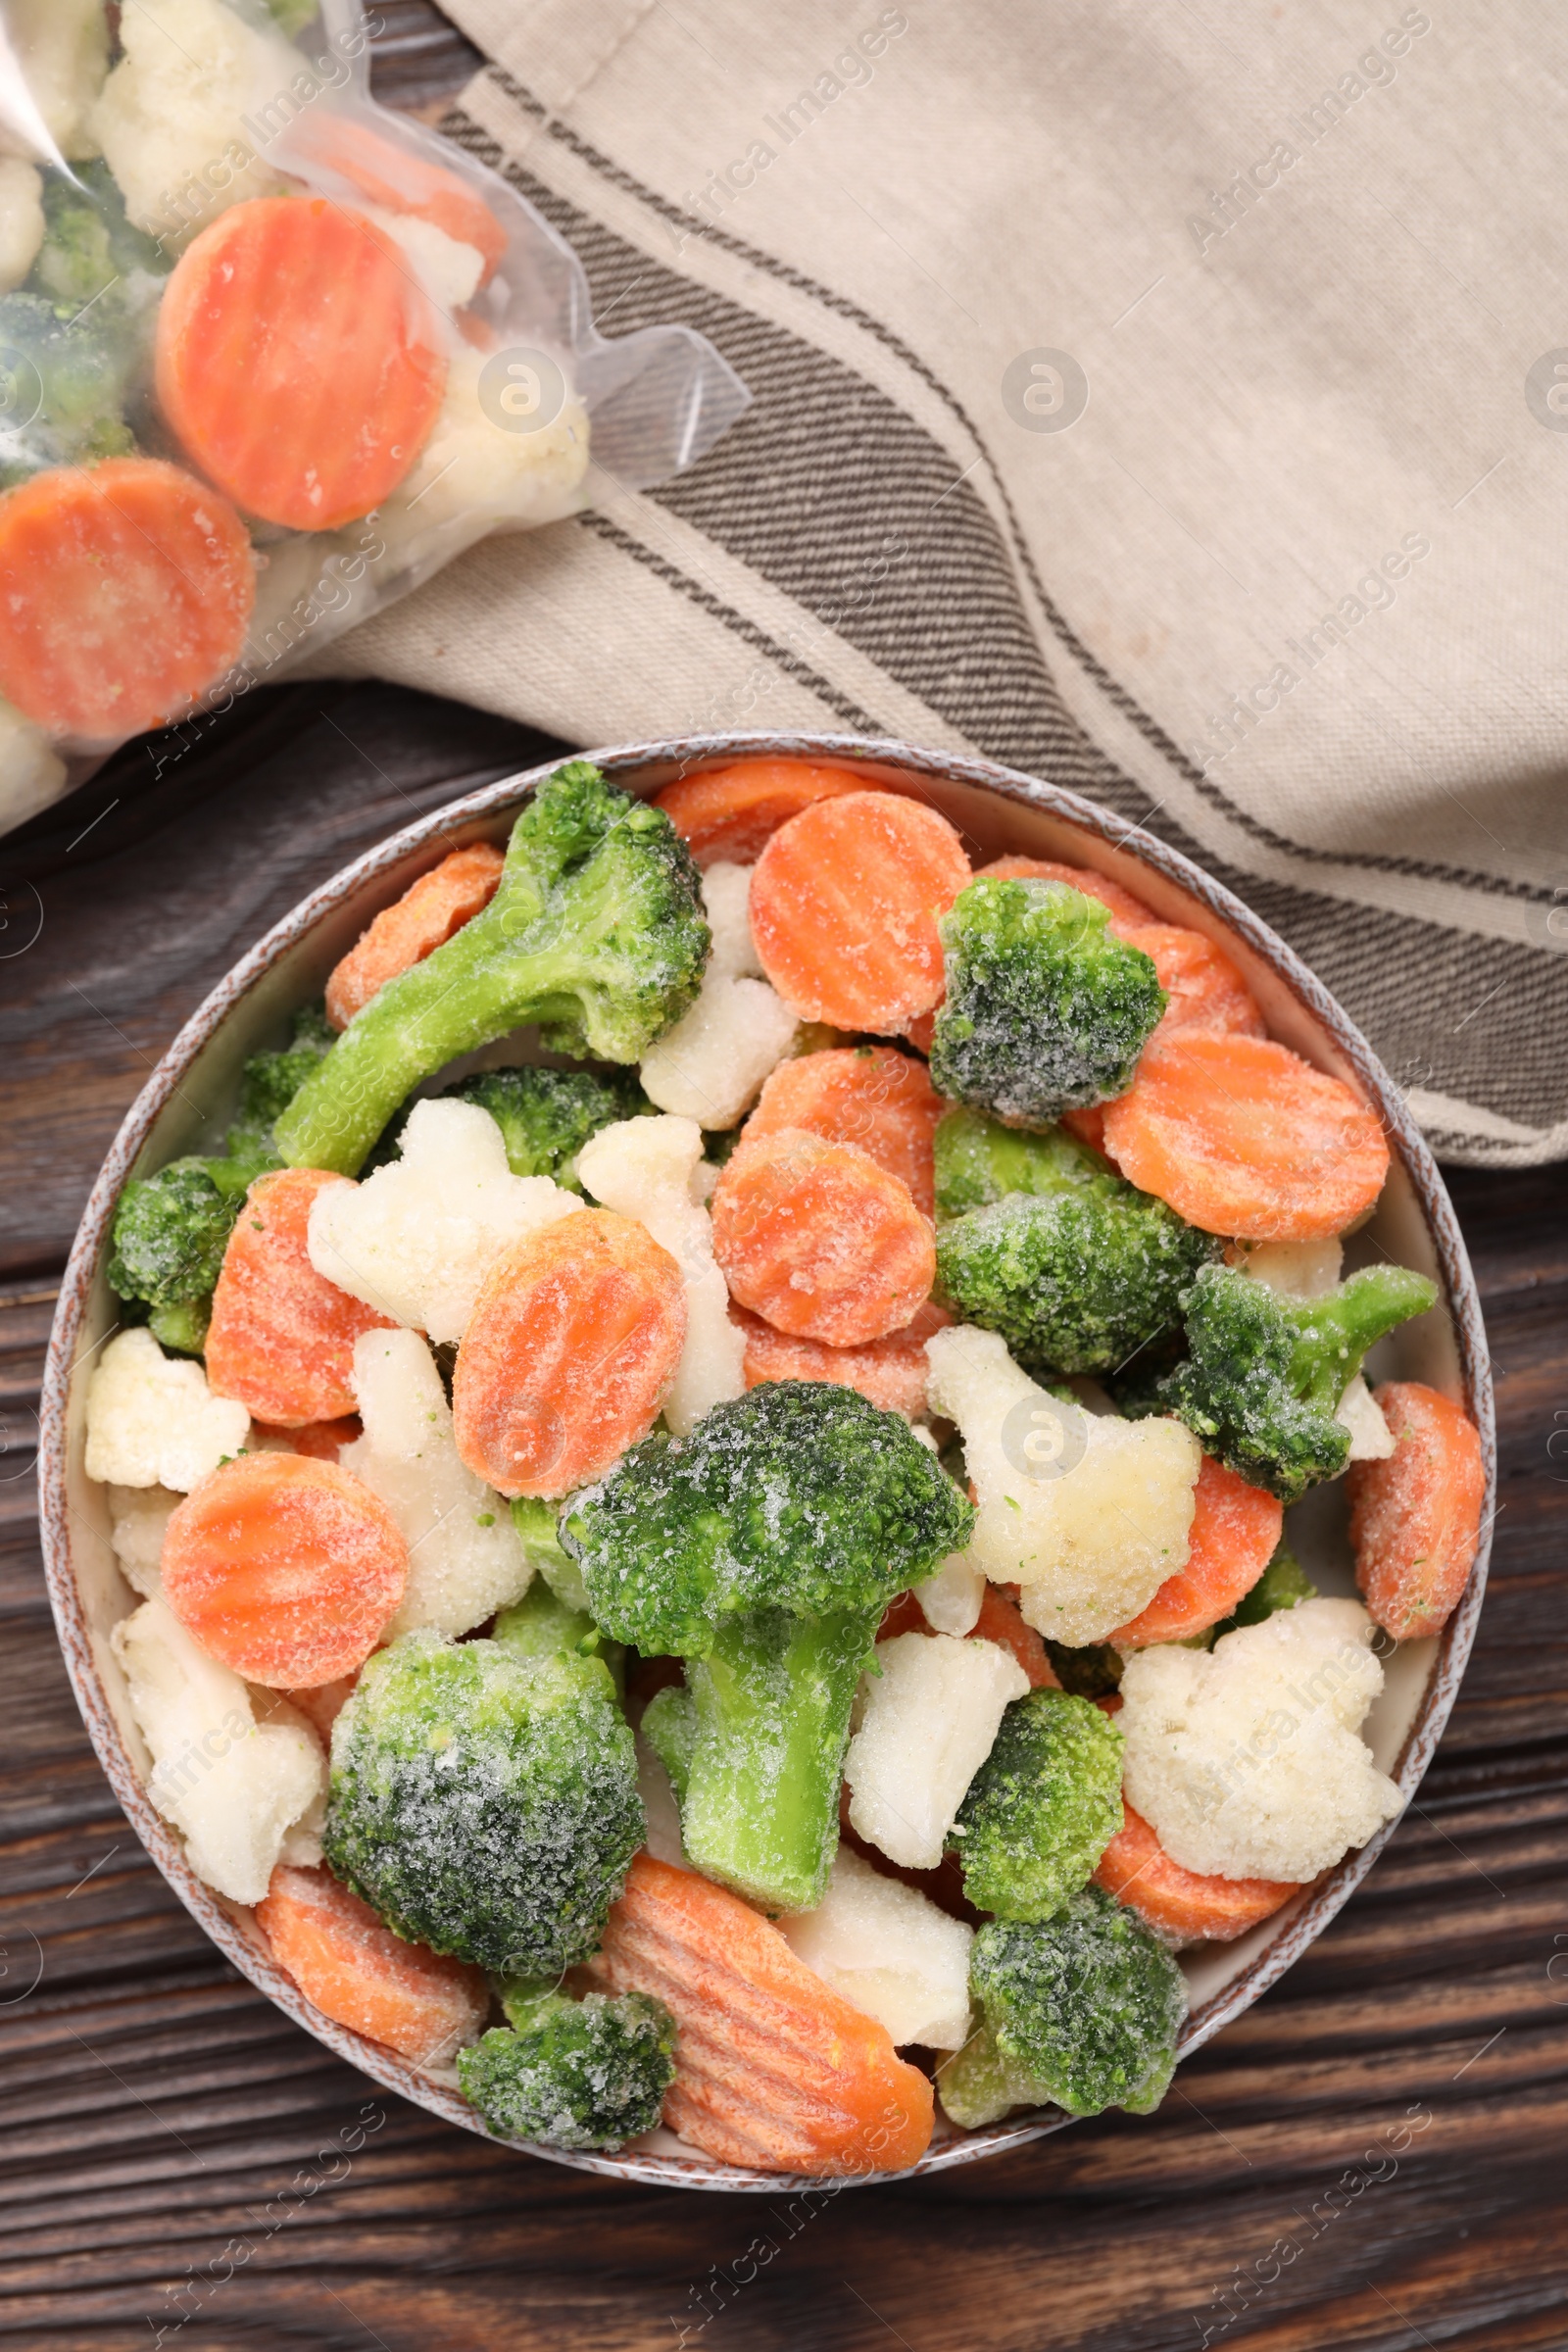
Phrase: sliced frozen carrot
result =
(359, 1974)
(1234, 1532)
(1243, 1138)
(1205, 988)
(323, 1705)
(922, 1030)
(998, 1621)
(772, 2068)
(891, 1371)
(285, 1569)
(322, 1440)
(1124, 907)
(820, 1241)
(872, 1095)
(298, 361)
(845, 900)
(574, 1340)
(282, 1337)
(1088, 1125)
(1136, 1868)
(398, 180)
(125, 591)
(405, 932)
(733, 813)
(1415, 1518)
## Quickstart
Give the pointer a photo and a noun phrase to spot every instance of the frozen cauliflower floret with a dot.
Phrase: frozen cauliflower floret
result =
(232, 1787)
(449, 271)
(170, 119)
(152, 1420)
(21, 222)
(301, 1839)
(1296, 1269)
(138, 1521)
(63, 49)
(1248, 1758)
(416, 1238)
(711, 1065)
(32, 775)
(1091, 1544)
(645, 1168)
(891, 1951)
(728, 904)
(952, 1600)
(930, 1723)
(1371, 1439)
(478, 472)
(465, 1558)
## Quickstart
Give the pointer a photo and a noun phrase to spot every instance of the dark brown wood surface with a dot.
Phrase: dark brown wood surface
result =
(155, 2111)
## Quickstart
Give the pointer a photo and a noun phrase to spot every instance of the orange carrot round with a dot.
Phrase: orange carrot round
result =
(1136, 1868)
(872, 1095)
(398, 180)
(285, 1569)
(405, 932)
(1415, 1518)
(574, 1340)
(1235, 1532)
(845, 900)
(820, 1241)
(125, 591)
(282, 1337)
(359, 1974)
(891, 1371)
(1205, 988)
(733, 813)
(298, 361)
(1244, 1139)
(1124, 907)
(772, 2068)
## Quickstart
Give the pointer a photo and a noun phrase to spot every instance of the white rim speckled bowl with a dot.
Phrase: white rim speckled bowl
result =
(187, 1102)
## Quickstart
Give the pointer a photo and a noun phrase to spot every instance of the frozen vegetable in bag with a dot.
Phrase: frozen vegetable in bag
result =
(270, 356)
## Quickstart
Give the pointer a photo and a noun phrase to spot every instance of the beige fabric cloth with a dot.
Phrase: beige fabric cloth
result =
(1290, 588)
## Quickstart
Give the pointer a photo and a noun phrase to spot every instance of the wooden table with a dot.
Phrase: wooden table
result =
(156, 2109)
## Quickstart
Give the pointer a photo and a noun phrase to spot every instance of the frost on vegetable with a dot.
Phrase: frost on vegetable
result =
(588, 2074)
(645, 1168)
(1082, 2009)
(546, 1116)
(152, 1421)
(891, 1951)
(138, 1520)
(485, 1803)
(709, 1066)
(1247, 1759)
(232, 1787)
(170, 119)
(1358, 1411)
(1090, 1543)
(416, 1238)
(930, 1717)
(465, 1558)
(1042, 1808)
(474, 475)
(63, 49)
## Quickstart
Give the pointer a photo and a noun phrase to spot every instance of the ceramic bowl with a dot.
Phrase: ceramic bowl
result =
(187, 1104)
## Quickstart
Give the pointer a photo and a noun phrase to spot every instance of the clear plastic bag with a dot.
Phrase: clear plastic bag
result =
(270, 356)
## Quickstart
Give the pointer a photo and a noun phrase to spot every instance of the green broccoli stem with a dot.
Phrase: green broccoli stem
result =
(1336, 1332)
(528, 2000)
(771, 1715)
(182, 1327)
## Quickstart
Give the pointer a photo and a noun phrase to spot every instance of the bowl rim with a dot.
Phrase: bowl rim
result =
(228, 1926)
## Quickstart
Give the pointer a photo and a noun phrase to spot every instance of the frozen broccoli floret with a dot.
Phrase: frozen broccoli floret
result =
(1082, 2009)
(1042, 1808)
(546, 1116)
(74, 374)
(1046, 1008)
(978, 1160)
(1283, 1585)
(1076, 1268)
(90, 252)
(535, 1522)
(1265, 1374)
(763, 1549)
(485, 1803)
(596, 933)
(589, 2074)
(542, 1626)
